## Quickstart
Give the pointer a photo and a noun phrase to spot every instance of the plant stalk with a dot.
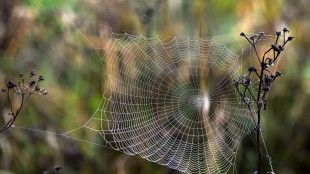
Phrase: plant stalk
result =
(259, 106)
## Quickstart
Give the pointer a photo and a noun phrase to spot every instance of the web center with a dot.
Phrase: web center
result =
(200, 102)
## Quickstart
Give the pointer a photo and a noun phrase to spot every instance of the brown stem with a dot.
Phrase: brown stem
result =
(259, 106)
(11, 121)
(256, 53)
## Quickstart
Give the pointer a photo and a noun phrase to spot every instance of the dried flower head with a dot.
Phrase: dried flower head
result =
(11, 84)
(32, 73)
(286, 30)
(252, 68)
(253, 37)
(261, 33)
(37, 88)
(57, 168)
(31, 83)
(278, 73)
(290, 38)
(41, 78)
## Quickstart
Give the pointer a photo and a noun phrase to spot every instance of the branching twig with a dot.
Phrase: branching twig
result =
(266, 78)
(21, 89)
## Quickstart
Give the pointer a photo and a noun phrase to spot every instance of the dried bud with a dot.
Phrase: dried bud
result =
(3, 90)
(241, 78)
(253, 37)
(43, 91)
(247, 81)
(252, 68)
(32, 73)
(37, 88)
(10, 84)
(41, 78)
(57, 168)
(278, 33)
(21, 75)
(286, 30)
(278, 74)
(290, 38)
(242, 34)
(261, 33)
(31, 83)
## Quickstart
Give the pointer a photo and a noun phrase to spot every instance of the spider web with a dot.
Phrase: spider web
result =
(170, 99)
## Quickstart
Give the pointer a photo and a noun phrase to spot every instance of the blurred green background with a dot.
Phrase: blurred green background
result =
(33, 38)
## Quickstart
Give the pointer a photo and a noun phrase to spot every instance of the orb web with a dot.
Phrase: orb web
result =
(171, 99)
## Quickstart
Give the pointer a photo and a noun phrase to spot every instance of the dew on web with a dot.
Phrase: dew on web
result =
(169, 99)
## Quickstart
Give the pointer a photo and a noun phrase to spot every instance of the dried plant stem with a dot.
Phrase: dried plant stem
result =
(266, 78)
(24, 90)
(259, 106)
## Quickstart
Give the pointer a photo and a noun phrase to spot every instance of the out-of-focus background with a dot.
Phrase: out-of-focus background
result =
(32, 37)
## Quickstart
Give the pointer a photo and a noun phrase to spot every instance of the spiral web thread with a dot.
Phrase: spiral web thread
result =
(171, 100)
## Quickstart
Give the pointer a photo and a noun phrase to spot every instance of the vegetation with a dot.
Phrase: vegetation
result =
(266, 78)
(32, 38)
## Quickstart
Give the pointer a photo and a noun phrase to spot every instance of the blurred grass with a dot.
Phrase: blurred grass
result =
(31, 38)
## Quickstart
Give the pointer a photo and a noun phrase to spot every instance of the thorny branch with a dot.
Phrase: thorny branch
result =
(266, 79)
(24, 90)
